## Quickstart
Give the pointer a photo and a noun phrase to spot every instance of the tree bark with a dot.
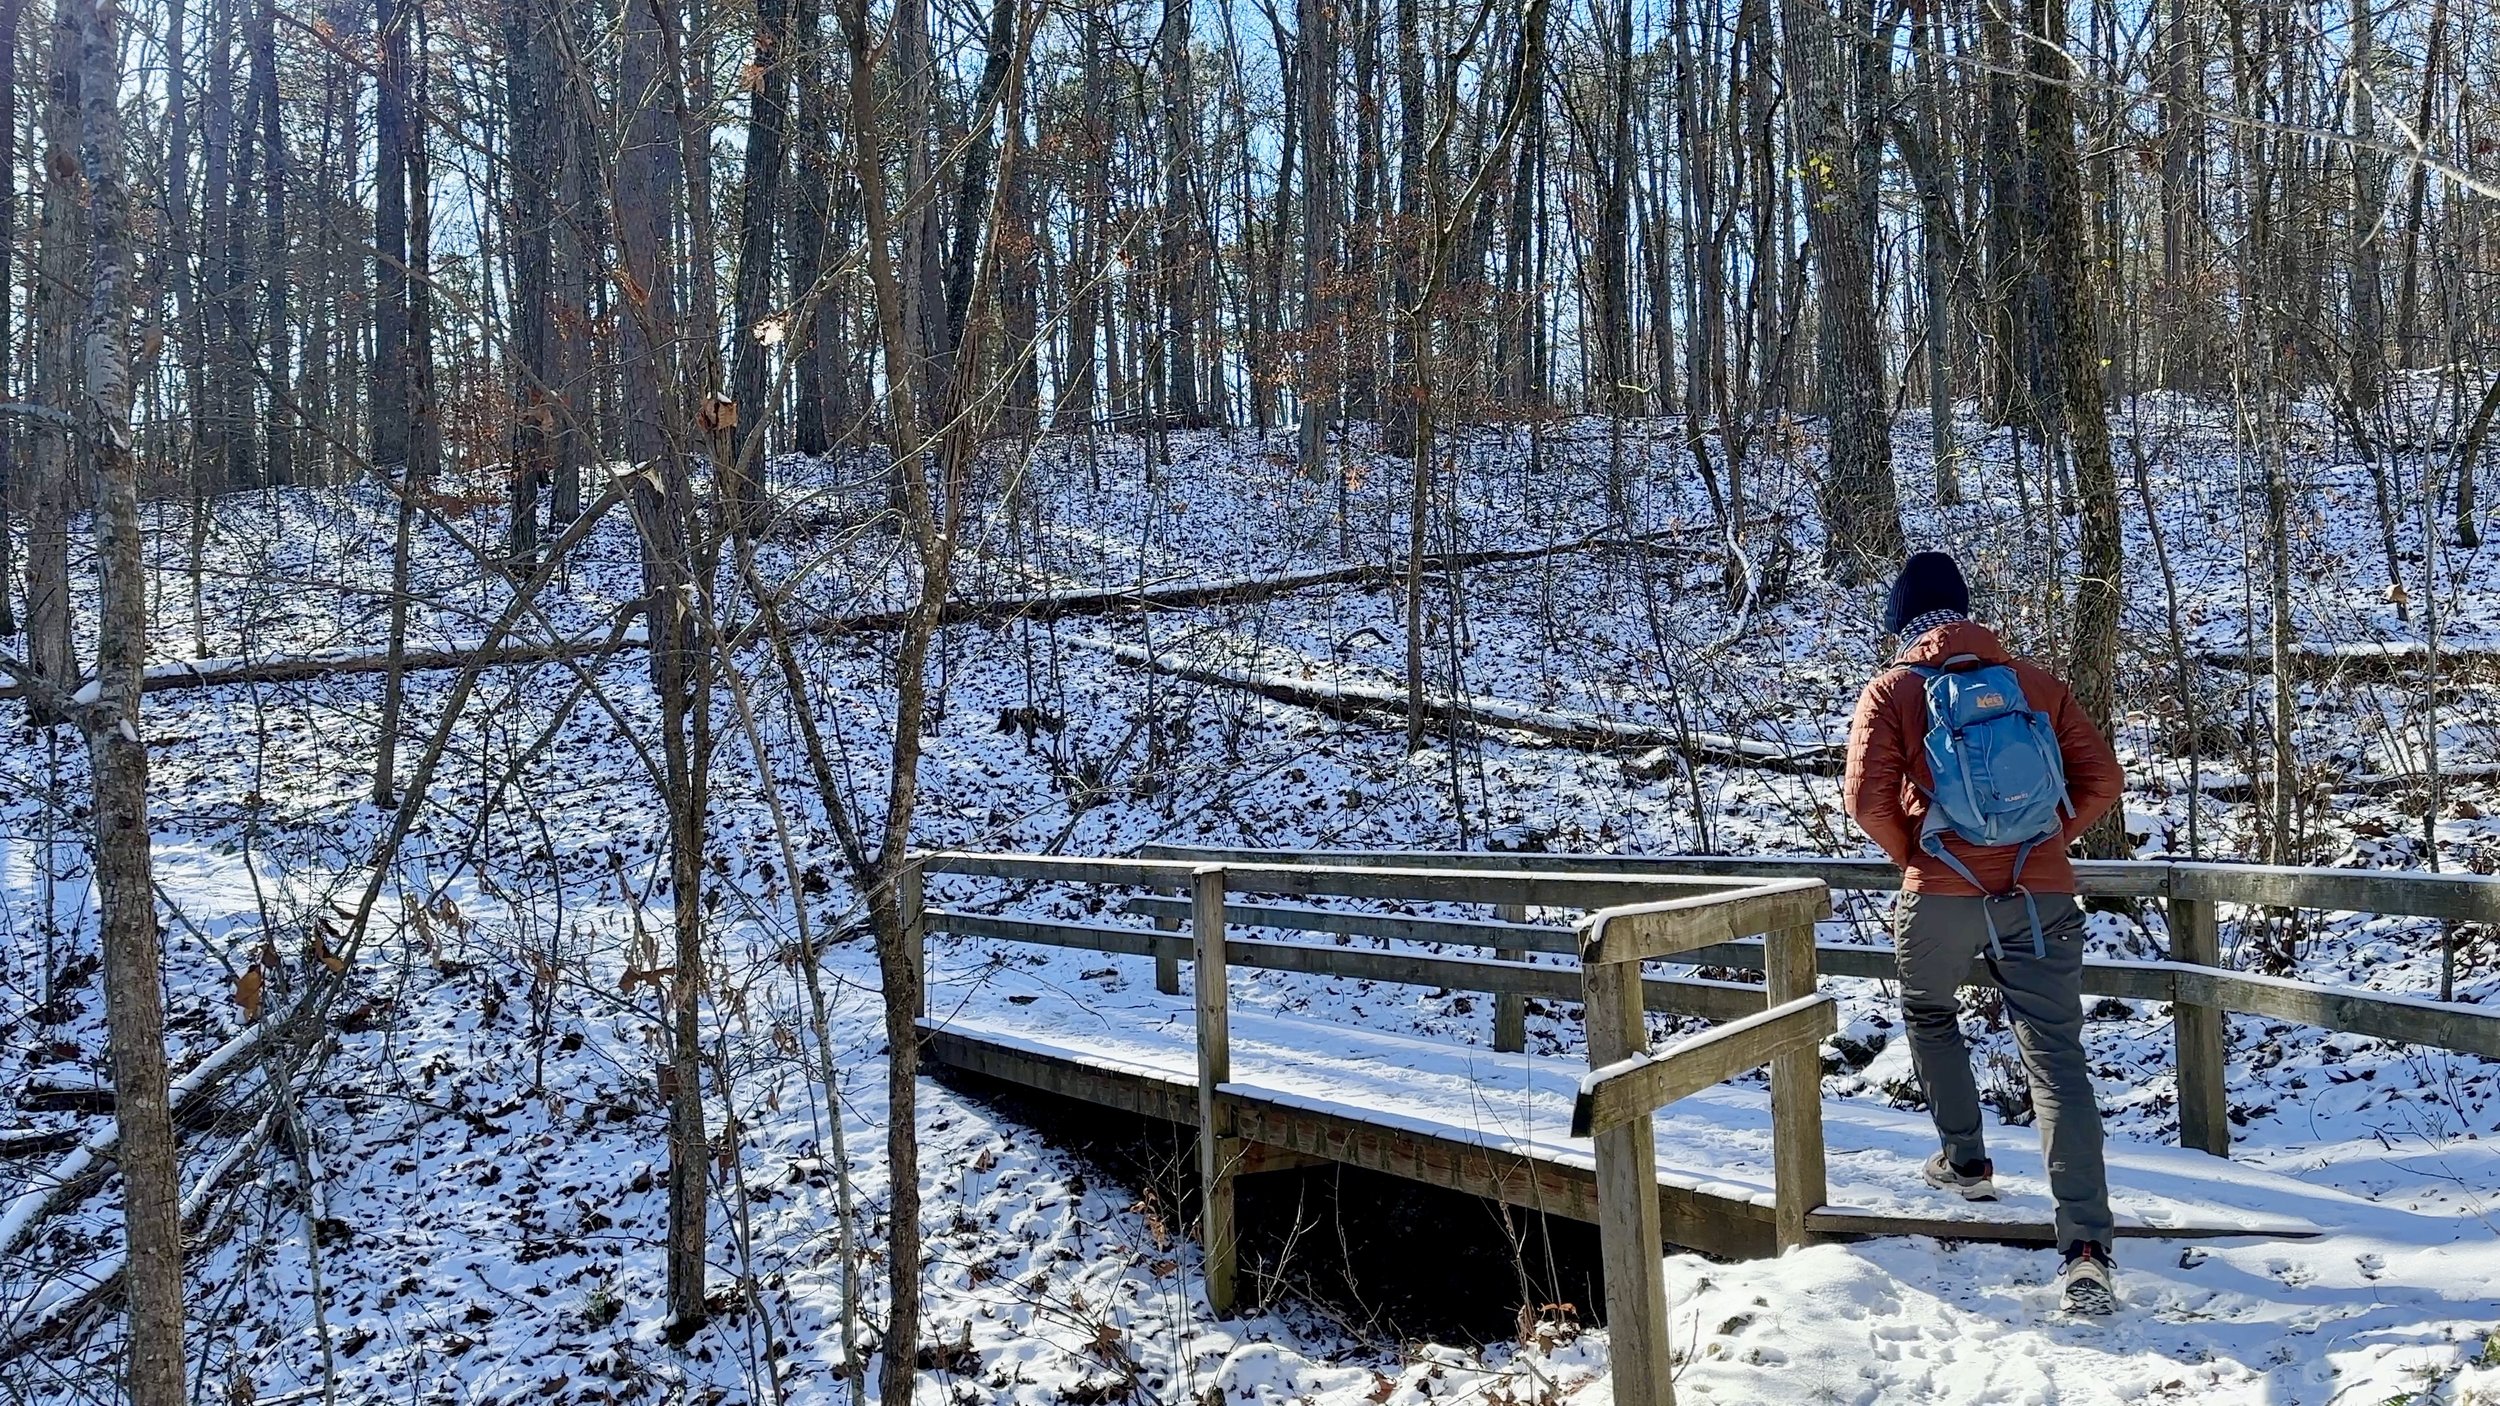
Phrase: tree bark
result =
(277, 467)
(8, 249)
(649, 171)
(1861, 519)
(393, 395)
(61, 252)
(1079, 391)
(89, 52)
(2082, 408)
(2182, 341)
(2365, 292)
(1937, 238)
(759, 202)
(1316, 387)
(1181, 273)
(529, 95)
(813, 205)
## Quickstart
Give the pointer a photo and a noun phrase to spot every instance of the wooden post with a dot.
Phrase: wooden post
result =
(2199, 1032)
(911, 901)
(1797, 1186)
(1168, 962)
(1629, 1230)
(1219, 1152)
(1510, 1011)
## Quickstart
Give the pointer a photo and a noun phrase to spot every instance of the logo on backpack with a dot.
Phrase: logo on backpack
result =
(2000, 778)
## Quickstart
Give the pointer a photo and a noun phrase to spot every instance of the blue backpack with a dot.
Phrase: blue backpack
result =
(2000, 778)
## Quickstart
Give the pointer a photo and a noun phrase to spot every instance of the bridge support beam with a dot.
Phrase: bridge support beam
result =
(911, 899)
(1629, 1230)
(1510, 1009)
(1219, 1149)
(1167, 961)
(1798, 1188)
(2199, 1030)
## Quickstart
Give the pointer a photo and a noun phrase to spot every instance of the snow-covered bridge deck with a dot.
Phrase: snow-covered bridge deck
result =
(1498, 1125)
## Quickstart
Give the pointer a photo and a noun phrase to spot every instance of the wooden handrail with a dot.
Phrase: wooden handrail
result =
(1640, 932)
(2394, 892)
(2200, 991)
(1643, 1083)
(1710, 1000)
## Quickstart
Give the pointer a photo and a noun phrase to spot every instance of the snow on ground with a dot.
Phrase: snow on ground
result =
(477, 1180)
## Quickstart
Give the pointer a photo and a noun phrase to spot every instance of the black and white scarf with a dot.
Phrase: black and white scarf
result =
(1918, 625)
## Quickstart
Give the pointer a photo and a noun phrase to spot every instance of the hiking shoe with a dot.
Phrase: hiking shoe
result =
(2084, 1282)
(1972, 1181)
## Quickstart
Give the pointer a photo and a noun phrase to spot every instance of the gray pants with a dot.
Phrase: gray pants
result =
(1935, 939)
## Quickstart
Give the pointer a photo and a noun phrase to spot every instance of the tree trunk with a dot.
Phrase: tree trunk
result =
(1613, 251)
(277, 467)
(579, 231)
(2082, 410)
(61, 251)
(89, 46)
(1181, 272)
(2368, 368)
(1936, 242)
(647, 186)
(928, 355)
(392, 395)
(811, 213)
(8, 249)
(2408, 277)
(1861, 521)
(2182, 341)
(1078, 394)
(529, 85)
(1315, 389)
(2008, 247)
(234, 256)
(425, 423)
(767, 123)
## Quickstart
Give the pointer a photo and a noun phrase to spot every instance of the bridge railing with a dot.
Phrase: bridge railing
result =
(2200, 990)
(1782, 1025)
(1628, 1082)
(1756, 914)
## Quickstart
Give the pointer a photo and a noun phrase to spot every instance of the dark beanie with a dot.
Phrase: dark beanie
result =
(1928, 581)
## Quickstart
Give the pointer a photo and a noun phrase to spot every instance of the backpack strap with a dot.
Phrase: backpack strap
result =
(1932, 843)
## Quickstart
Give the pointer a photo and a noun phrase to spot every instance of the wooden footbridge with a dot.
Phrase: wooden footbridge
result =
(1646, 1142)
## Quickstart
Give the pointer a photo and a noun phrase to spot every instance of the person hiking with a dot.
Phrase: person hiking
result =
(1973, 771)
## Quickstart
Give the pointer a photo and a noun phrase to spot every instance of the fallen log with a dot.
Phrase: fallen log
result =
(71, 1293)
(1586, 731)
(1185, 594)
(2240, 786)
(52, 1094)
(2359, 658)
(20, 1213)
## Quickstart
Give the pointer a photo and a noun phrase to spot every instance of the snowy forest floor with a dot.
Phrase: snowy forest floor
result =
(476, 1180)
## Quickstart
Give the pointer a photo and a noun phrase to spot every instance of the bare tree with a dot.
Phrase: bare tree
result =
(534, 126)
(88, 53)
(768, 124)
(393, 393)
(8, 249)
(1861, 519)
(2059, 216)
(1316, 384)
